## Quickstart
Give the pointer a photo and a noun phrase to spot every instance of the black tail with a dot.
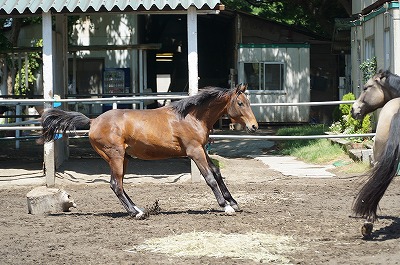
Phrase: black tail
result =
(59, 121)
(367, 200)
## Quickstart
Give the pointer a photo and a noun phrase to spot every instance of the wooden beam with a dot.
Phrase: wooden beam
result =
(148, 46)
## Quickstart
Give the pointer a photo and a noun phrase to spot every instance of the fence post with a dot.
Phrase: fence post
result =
(49, 153)
(18, 132)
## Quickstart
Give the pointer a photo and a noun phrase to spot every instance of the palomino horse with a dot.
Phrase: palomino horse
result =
(178, 130)
(383, 89)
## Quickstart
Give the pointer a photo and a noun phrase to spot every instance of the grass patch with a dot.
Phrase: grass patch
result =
(355, 167)
(318, 151)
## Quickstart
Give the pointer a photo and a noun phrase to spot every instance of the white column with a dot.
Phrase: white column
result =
(193, 70)
(192, 50)
(49, 154)
(396, 41)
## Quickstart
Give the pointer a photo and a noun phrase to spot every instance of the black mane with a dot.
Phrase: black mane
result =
(183, 106)
(392, 81)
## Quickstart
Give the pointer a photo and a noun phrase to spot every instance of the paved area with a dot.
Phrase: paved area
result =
(290, 166)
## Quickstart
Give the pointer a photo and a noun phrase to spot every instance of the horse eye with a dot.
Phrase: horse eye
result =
(240, 103)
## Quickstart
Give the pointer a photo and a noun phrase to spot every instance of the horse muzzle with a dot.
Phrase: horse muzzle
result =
(252, 129)
(356, 113)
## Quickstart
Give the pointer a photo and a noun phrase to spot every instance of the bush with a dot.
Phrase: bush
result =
(347, 124)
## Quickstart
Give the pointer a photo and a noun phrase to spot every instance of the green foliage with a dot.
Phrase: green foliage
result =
(33, 64)
(368, 68)
(347, 124)
(316, 16)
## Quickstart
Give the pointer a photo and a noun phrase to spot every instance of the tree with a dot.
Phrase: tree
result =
(314, 15)
(9, 32)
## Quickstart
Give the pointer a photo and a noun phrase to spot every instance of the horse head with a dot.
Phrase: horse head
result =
(373, 96)
(239, 109)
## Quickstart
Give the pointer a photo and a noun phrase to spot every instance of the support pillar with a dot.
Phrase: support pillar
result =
(49, 154)
(193, 70)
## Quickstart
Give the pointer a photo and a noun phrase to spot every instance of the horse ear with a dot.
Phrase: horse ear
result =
(380, 76)
(241, 88)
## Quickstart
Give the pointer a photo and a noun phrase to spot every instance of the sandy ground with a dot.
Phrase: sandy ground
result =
(283, 220)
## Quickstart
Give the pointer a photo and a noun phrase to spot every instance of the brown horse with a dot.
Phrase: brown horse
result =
(383, 89)
(178, 130)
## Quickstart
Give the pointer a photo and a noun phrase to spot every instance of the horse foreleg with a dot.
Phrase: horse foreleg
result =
(200, 158)
(116, 184)
(224, 189)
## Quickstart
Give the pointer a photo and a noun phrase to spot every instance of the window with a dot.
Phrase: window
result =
(268, 76)
(369, 48)
(386, 41)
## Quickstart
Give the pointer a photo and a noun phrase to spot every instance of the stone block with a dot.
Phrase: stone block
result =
(48, 200)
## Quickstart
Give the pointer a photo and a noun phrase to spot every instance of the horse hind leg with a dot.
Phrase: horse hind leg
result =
(118, 163)
(116, 183)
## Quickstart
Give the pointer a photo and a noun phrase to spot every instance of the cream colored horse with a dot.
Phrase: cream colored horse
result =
(383, 89)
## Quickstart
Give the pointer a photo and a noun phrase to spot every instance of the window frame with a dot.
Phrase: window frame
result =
(262, 80)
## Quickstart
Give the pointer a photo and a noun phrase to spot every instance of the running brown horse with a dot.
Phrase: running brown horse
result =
(382, 90)
(178, 130)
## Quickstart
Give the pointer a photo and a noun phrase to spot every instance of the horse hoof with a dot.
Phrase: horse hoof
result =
(366, 230)
(140, 216)
(236, 207)
(140, 213)
(229, 210)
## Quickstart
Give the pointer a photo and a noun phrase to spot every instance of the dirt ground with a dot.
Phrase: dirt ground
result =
(293, 220)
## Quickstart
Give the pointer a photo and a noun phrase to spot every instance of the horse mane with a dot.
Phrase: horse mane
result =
(392, 80)
(184, 106)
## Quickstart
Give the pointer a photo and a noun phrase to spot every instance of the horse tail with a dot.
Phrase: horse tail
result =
(381, 175)
(55, 121)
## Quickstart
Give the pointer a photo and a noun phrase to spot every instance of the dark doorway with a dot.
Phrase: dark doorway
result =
(89, 76)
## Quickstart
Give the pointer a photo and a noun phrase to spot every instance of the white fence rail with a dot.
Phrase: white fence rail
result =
(135, 99)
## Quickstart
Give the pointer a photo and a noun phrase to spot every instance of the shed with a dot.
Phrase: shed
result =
(276, 73)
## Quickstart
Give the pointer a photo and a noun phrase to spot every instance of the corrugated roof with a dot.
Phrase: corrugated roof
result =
(34, 6)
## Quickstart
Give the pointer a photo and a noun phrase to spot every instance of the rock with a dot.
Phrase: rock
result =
(48, 200)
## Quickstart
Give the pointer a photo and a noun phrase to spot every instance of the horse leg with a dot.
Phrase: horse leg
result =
(224, 190)
(200, 158)
(118, 166)
(366, 229)
(118, 162)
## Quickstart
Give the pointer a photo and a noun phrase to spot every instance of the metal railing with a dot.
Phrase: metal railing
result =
(136, 99)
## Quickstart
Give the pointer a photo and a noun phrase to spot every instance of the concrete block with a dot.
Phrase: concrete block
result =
(48, 200)
(367, 156)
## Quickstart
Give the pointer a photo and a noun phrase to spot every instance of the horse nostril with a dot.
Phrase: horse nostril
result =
(254, 127)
